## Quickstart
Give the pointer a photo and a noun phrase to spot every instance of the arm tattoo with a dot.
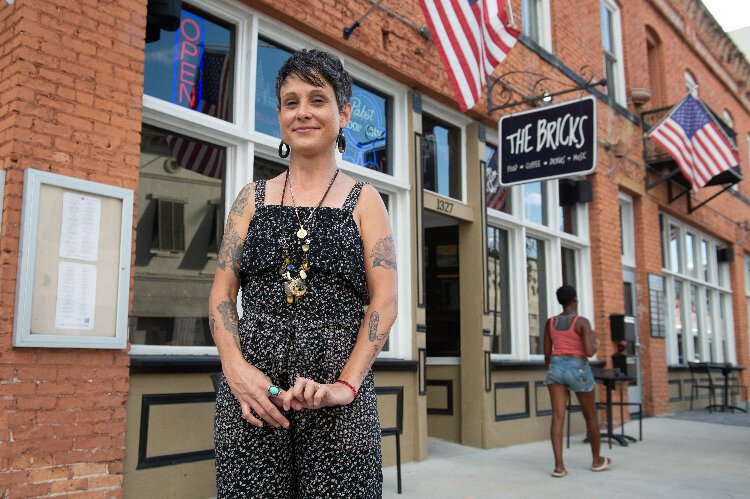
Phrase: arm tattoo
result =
(384, 253)
(228, 311)
(238, 208)
(230, 254)
(372, 328)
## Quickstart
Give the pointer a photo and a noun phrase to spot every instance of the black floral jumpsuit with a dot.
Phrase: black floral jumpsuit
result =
(326, 453)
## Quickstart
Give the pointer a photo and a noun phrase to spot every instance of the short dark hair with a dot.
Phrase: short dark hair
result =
(566, 294)
(317, 67)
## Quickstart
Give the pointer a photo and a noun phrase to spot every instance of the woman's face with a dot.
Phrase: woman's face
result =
(309, 116)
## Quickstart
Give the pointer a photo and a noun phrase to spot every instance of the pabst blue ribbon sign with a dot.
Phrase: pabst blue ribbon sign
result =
(550, 142)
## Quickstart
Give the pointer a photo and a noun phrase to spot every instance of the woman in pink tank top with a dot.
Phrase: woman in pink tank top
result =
(568, 343)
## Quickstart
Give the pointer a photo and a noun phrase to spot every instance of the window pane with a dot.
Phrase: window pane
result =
(692, 269)
(193, 66)
(674, 248)
(694, 323)
(723, 324)
(498, 290)
(367, 137)
(271, 56)
(497, 196)
(536, 276)
(567, 216)
(568, 258)
(442, 157)
(704, 261)
(533, 203)
(530, 17)
(170, 302)
(678, 320)
(709, 357)
(606, 20)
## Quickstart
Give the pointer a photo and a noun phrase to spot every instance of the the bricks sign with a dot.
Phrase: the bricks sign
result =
(551, 142)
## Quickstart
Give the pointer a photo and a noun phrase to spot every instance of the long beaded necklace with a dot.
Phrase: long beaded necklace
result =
(295, 276)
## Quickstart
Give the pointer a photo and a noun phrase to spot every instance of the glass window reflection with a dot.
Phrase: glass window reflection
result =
(498, 290)
(367, 137)
(533, 203)
(271, 56)
(193, 66)
(497, 197)
(441, 155)
(536, 274)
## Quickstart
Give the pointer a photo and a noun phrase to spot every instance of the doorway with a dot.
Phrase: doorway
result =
(442, 299)
(633, 347)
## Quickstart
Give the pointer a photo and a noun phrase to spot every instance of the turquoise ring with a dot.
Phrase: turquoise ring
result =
(274, 390)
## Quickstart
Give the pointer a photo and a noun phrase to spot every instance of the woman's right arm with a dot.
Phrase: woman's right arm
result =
(248, 384)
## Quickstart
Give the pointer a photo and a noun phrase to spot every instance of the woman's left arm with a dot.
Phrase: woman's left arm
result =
(382, 283)
(380, 273)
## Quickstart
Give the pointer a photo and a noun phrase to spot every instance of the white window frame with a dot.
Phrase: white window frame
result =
(518, 230)
(544, 23)
(713, 285)
(460, 121)
(627, 229)
(619, 96)
(243, 144)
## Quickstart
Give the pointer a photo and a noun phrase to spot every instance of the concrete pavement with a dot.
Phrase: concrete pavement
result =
(685, 455)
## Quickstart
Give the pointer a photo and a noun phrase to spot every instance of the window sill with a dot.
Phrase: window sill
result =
(184, 364)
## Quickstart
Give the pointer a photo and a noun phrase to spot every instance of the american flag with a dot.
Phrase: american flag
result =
(472, 37)
(201, 157)
(691, 137)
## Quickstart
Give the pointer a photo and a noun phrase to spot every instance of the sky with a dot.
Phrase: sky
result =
(730, 14)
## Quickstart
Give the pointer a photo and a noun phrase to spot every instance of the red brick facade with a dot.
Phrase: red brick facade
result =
(71, 86)
(70, 103)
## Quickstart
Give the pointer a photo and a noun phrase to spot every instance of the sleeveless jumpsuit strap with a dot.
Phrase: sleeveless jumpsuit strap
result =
(351, 199)
(260, 193)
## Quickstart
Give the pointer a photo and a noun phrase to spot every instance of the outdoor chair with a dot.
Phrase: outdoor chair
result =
(700, 375)
(737, 389)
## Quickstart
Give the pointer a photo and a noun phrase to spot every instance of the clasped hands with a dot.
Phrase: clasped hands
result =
(250, 387)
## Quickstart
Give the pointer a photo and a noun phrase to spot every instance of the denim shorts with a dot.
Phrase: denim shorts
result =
(572, 372)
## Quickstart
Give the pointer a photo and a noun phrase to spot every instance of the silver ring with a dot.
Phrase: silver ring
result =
(274, 391)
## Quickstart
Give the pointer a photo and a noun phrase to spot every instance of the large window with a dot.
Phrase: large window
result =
(612, 45)
(627, 231)
(498, 289)
(528, 258)
(193, 166)
(193, 67)
(535, 20)
(700, 326)
(441, 156)
(655, 67)
(178, 231)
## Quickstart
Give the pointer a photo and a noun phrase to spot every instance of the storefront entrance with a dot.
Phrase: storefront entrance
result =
(443, 322)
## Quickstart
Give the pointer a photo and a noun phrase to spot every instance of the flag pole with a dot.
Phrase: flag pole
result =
(511, 19)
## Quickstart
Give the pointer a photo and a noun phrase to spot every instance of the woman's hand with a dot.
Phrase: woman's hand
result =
(309, 394)
(250, 386)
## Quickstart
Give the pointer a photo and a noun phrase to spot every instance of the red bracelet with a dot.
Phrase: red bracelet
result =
(354, 390)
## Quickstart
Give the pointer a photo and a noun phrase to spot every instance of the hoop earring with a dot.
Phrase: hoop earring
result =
(284, 153)
(341, 141)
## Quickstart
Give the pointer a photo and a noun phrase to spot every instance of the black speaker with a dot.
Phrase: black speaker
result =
(576, 192)
(622, 327)
(725, 255)
(162, 15)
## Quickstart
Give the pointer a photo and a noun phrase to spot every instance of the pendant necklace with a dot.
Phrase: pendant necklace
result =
(295, 276)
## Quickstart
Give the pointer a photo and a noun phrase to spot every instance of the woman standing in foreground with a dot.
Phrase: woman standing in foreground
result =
(568, 343)
(296, 414)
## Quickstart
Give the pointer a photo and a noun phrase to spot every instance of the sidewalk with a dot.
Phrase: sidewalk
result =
(681, 456)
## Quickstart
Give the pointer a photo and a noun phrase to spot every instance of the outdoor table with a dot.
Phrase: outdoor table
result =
(609, 378)
(727, 369)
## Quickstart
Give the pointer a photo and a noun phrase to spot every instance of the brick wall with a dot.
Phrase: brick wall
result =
(70, 94)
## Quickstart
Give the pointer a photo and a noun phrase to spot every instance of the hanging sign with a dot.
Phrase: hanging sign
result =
(550, 142)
